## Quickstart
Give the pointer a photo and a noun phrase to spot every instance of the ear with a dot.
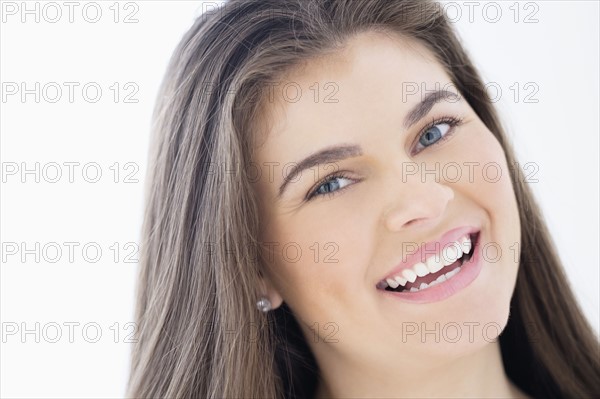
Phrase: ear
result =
(268, 290)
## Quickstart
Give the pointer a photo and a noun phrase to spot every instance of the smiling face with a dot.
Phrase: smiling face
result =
(385, 110)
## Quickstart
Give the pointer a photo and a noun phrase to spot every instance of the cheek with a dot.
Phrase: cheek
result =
(492, 191)
(305, 252)
(315, 265)
(494, 185)
(486, 177)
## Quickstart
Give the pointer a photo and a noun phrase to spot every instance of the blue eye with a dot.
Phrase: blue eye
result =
(433, 134)
(436, 132)
(329, 186)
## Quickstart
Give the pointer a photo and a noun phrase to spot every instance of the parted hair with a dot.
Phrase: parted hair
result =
(201, 336)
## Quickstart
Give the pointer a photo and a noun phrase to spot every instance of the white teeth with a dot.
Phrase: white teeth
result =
(452, 273)
(441, 279)
(434, 283)
(401, 280)
(410, 275)
(434, 264)
(450, 255)
(465, 244)
(421, 269)
(422, 286)
(459, 250)
(392, 283)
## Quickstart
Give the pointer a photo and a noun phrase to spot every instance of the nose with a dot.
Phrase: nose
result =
(417, 202)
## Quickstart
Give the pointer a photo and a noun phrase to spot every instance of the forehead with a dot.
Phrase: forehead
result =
(344, 97)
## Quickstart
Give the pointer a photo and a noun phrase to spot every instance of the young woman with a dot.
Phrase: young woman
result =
(338, 165)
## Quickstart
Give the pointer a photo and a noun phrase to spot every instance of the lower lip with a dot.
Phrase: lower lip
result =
(467, 274)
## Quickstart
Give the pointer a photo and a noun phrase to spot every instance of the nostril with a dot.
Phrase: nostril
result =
(410, 224)
(414, 222)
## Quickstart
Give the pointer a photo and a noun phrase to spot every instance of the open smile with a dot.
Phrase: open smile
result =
(442, 274)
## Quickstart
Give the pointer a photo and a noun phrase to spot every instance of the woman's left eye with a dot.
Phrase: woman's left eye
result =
(435, 133)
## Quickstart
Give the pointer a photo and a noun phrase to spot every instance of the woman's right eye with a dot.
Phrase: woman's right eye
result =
(329, 186)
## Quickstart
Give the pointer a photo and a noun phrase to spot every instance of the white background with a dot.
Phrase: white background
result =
(558, 54)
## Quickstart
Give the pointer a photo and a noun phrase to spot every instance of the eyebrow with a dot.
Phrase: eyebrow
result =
(345, 151)
(324, 156)
(426, 104)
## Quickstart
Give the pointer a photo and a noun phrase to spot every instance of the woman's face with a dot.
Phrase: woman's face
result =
(408, 164)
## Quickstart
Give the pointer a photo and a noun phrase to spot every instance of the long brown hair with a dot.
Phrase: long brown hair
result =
(200, 334)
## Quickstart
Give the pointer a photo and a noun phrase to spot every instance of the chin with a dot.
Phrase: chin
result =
(466, 322)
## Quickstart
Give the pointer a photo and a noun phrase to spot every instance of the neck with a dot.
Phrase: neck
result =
(480, 374)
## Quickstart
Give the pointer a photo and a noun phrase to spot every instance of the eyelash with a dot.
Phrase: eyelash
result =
(450, 120)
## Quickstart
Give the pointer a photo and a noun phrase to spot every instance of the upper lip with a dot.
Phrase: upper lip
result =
(430, 249)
